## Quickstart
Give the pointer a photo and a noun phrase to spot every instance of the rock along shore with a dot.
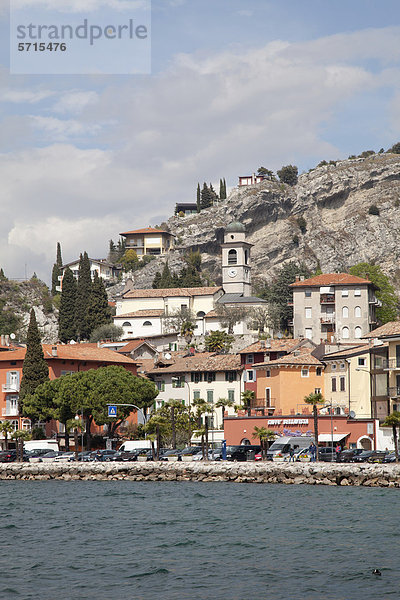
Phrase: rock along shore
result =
(374, 475)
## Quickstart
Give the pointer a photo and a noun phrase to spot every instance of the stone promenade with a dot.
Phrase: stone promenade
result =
(374, 475)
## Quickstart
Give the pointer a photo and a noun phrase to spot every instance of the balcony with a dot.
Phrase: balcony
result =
(11, 388)
(328, 319)
(394, 392)
(327, 299)
(391, 364)
(9, 411)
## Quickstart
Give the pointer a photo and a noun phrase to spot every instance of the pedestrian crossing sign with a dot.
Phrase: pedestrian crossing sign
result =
(112, 410)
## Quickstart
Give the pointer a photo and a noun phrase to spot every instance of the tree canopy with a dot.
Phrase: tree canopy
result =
(34, 369)
(288, 174)
(66, 316)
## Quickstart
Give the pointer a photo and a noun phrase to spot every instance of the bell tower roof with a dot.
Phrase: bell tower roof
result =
(235, 227)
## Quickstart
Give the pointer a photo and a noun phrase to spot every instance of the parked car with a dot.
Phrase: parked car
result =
(170, 453)
(51, 456)
(390, 458)
(240, 453)
(191, 450)
(348, 455)
(7, 456)
(369, 456)
(327, 454)
(124, 456)
(64, 456)
(82, 456)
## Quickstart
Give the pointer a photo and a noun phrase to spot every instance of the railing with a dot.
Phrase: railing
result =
(11, 411)
(391, 363)
(10, 387)
(327, 299)
(328, 319)
(394, 392)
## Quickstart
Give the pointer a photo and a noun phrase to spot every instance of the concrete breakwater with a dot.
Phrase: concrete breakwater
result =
(369, 475)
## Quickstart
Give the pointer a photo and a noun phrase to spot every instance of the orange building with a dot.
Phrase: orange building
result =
(283, 383)
(61, 360)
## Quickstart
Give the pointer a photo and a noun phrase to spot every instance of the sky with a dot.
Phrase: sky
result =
(234, 84)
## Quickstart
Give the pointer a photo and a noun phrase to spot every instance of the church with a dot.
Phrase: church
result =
(148, 313)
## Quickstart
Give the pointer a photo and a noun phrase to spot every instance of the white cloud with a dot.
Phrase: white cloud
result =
(19, 96)
(75, 102)
(245, 13)
(58, 130)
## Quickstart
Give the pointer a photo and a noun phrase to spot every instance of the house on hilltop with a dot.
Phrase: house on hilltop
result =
(149, 241)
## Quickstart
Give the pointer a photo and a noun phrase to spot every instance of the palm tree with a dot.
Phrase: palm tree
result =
(315, 399)
(264, 435)
(247, 397)
(6, 427)
(393, 420)
(19, 436)
(223, 403)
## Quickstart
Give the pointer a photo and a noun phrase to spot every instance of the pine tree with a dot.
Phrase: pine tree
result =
(57, 270)
(34, 369)
(83, 291)
(99, 312)
(66, 316)
(213, 194)
(198, 198)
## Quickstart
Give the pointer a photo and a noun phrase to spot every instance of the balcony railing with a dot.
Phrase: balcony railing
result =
(391, 363)
(328, 319)
(10, 411)
(10, 387)
(327, 299)
(394, 392)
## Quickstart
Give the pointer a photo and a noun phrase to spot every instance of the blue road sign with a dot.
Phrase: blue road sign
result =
(112, 410)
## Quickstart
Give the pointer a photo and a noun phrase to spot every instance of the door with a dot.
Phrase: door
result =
(397, 355)
(397, 385)
(268, 397)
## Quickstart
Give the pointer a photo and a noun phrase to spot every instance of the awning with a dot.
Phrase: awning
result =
(328, 437)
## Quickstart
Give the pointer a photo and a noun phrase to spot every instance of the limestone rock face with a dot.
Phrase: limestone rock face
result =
(333, 200)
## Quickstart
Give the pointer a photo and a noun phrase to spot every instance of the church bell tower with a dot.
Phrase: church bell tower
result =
(236, 269)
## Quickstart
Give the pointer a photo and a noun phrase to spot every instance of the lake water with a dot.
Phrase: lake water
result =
(192, 541)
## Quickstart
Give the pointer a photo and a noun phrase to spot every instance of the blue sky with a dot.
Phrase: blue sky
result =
(235, 84)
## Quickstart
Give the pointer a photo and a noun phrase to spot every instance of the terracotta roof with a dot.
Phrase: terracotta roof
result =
(204, 361)
(360, 349)
(132, 345)
(147, 230)
(331, 279)
(302, 356)
(85, 352)
(169, 292)
(388, 329)
(281, 345)
(150, 312)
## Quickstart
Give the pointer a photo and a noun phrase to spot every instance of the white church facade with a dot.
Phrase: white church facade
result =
(144, 313)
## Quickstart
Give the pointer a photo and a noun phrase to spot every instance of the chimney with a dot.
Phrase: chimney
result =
(54, 351)
(262, 343)
(297, 278)
(302, 278)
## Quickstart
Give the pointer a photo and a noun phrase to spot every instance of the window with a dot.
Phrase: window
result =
(318, 371)
(14, 423)
(210, 396)
(26, 424)
(196, 377)
(305, 372)
(333, 367)
(342, 366)
(357, 292)
(342, 384)
(184, 307)
(345, 293)
(160, 385)
(196, 394)
(317, 390)
(126, 324)
(232, 257)
(268, 373)
(147, 324)
(345, 312)
(250, 359)
(362, 362)
(309, 333)
(267, 396)
(230, 376)
(333, 384)
(209, 376)
(231, 395)
(246, 257)
(357, 312)
(13, 380)
(345, 333)
(357, 332)
(308, 313)
(201, 314)
(250, 375)
(307, 293)
(178, 382)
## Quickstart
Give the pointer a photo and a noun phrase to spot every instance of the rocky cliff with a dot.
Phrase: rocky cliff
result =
(337, 230)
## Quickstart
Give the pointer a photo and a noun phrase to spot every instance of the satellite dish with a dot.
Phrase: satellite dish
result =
(352, 414)
(12, 336)
(167, 355)
(72, 342)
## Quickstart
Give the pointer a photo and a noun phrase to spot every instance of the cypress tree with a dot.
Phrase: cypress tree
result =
(198, 198)
(34, 369)
(221, 189)
(99, 312)
(157, 280)
(57, 270)
(83, 290)
(206, 197)
(166, 280)
(66, 316)
(2, 276)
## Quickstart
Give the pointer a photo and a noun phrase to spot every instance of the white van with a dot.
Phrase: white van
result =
(136, 445)
(50, 445)
(283, 444)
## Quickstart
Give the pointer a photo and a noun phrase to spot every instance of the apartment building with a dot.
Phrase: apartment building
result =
(335, 307)
(151, 241)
